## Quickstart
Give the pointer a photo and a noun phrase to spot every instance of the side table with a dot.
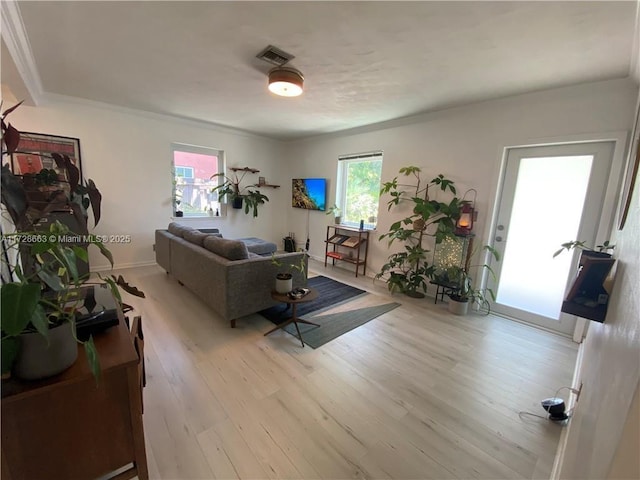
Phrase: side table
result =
(293, 302)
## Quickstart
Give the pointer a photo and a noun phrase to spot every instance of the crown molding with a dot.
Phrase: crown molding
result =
(15, 37)
(55, 98)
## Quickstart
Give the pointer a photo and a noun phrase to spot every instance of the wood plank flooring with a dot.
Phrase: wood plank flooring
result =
(414, 394)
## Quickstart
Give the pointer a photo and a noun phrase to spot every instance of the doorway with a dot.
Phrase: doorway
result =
(549, 195)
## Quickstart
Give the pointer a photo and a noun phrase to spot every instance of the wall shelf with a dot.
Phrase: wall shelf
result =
(244, 169)
(266, 185)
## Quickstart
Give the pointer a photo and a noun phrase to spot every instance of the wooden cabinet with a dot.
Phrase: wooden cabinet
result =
(347, 244)
(70, 426)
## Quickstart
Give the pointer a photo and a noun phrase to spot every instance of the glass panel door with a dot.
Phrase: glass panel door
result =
(550, 195)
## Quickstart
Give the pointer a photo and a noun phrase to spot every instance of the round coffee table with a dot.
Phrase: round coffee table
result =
(293, 302)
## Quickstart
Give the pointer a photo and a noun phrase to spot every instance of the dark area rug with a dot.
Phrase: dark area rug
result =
(346, 308)
(330, 293)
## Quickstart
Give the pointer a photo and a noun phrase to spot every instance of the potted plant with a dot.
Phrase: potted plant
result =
(601, 251)
(407, 271)
(336, 212)
(39, 308)
(284, 279)
(230, 187)
(464, 294)
(40, 274)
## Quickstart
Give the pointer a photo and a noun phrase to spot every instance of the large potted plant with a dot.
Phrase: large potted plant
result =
(407, 271)
(238, 195)
(41, 271)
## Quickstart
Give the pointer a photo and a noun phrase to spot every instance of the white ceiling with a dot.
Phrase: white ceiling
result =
(363, 62)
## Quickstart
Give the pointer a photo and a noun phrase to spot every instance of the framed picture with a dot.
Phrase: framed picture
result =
(261, 181)
(34, 152)
(631, 170)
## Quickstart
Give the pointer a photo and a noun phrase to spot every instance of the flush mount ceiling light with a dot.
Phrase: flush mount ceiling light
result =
(286, 81)
(283, 81)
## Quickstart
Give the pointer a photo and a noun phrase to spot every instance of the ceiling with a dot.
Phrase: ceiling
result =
(363, 62)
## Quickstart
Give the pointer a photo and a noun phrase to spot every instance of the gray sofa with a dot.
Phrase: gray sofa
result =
(229, 278)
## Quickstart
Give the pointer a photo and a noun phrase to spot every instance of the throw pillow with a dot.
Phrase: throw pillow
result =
(195, 237)
(230, 249)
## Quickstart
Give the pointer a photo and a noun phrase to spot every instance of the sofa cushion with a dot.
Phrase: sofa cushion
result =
(230, 249)
(179, 230)
(210, 230)
(175, 228)
(259, 246)
(195, 237)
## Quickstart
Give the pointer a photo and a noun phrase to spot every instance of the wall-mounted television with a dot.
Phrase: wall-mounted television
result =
(309, 193)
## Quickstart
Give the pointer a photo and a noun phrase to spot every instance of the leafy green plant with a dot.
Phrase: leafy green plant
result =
(47, 296)
(461, 277)
(40, 277)
(407, 271)
(230, 187)
(291, 267)
(581, 245)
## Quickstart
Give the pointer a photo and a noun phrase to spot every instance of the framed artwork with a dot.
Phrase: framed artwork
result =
(34, 152)
(631, 170)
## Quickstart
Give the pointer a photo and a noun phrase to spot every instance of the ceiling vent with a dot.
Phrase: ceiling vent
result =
(274, 55)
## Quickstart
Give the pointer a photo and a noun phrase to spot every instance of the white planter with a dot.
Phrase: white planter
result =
(284, 282)
(41, 358)
(458, 308)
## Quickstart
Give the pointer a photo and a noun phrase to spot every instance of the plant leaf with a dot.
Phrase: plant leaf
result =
(10, 346)
(19, 301)
(96, 201)
(92, 358)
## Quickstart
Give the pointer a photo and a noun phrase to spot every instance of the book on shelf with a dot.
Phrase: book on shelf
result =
(338, 239)
(337, 255)
(351, 242)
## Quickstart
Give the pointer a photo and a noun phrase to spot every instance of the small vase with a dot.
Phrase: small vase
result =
(39, 357)
(284, 282)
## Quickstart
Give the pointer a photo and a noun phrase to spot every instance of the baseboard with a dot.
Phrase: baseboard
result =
(564, 435)
(120, 266)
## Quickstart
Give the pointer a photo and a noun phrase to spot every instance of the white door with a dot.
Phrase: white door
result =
(550, 195)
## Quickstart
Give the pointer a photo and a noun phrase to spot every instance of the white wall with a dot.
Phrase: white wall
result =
(128, 155)
(604, 423)
(465, 144)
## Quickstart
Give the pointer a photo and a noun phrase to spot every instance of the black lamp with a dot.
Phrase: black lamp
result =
(464, 225)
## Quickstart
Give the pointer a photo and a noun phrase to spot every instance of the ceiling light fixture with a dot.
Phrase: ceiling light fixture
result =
(286, 81)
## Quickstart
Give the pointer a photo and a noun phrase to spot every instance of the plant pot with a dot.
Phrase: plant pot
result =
(284, 282)
(337, 220)
(179, 213)
(41, 358)
(236, 202)
(458, 307)
(592, 254)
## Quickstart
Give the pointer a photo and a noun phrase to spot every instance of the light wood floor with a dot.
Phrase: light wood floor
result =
(416, 393)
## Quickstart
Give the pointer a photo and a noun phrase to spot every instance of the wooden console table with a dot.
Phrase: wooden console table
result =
(71, 427)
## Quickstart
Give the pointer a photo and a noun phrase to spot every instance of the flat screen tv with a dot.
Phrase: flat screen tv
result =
(309, 193)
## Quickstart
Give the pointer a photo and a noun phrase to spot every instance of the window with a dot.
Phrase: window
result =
(192, 170)
(186, 172)
(358, 189)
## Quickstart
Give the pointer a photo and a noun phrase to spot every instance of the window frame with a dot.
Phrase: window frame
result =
(341, 185)
(220, 167)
